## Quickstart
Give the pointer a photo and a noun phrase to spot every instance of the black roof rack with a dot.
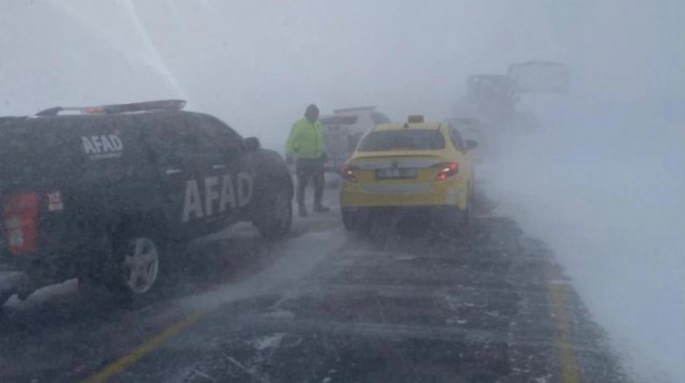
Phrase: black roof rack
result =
(147, 106)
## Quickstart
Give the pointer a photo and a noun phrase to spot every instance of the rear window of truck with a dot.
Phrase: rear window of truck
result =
(30, 153)
(37, 151)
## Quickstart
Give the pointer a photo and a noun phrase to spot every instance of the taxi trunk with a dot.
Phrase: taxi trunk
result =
(401, 179)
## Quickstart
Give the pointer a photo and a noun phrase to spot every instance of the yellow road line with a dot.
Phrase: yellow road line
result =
(569, 371)
(324, 225)
(129, 359)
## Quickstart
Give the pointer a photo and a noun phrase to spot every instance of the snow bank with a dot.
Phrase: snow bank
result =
(608, 195)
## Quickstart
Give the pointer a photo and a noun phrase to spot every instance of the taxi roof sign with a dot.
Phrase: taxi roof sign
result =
(415, 119)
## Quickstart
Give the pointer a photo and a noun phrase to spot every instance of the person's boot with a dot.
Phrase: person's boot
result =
(302, 210)
(319, 208)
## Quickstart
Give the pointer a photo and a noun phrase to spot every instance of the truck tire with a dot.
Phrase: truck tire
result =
(133, 267)
(274, 215)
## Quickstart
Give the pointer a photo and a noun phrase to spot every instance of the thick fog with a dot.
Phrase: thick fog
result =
(602, 182)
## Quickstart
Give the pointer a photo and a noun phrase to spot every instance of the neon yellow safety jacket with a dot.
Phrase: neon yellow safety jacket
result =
(306, 140)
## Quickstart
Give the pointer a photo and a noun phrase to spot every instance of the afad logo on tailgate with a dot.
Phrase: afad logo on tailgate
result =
(101, 147)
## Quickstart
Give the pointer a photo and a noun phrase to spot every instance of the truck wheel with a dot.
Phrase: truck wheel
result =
(134, 265)
(275, 212)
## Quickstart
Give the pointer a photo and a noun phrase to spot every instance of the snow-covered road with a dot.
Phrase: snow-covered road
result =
(608, 196)
(398, 305)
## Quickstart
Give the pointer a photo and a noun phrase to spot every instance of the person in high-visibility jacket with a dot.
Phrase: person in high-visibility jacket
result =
(306, 147)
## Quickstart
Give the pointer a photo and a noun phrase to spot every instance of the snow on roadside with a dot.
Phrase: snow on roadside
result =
(611, 202)
(299, 256)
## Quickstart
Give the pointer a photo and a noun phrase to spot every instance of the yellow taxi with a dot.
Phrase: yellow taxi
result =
(417, 166)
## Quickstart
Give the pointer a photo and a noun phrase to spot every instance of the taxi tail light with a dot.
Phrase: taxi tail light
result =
(347, 173)
(447, 169)
(20, 222)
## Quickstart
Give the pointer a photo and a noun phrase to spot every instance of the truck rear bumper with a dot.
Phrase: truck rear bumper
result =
(24, 274)
(15, 282)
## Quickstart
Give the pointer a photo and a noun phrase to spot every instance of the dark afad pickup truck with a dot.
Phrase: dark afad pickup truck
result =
(106, 194)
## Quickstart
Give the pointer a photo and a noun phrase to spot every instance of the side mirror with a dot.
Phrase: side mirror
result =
(471, 144)
(251, 144)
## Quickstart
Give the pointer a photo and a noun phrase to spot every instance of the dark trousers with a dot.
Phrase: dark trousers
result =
(309, 169)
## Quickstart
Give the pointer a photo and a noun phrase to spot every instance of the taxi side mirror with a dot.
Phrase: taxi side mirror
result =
(251, 144)
(471, 144)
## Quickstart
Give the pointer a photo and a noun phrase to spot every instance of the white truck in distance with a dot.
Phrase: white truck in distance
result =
(343, 129)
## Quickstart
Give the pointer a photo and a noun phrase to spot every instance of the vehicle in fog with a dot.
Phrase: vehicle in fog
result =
(343, 129)
(106, 193)
(417, 167)
(493, 100)
(541, 77)
(472, 129)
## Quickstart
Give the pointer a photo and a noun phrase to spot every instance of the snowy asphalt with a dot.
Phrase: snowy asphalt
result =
(398, 304)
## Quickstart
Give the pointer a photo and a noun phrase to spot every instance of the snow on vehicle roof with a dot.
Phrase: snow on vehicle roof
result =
(339, 119)
(355, 109)
(404, 125)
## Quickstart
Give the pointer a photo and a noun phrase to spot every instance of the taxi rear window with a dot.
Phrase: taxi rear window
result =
(406, 139)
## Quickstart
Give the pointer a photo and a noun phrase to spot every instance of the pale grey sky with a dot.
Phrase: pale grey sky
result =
(256, 64)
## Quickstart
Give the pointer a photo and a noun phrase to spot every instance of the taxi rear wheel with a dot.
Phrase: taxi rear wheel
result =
(463, 217)
(348, 219)
(355, 220)
(455, 221)
(466, 219)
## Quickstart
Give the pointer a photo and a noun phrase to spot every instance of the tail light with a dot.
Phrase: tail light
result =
(347, 173)
(94, 110)
(446, 170)
(20, 219)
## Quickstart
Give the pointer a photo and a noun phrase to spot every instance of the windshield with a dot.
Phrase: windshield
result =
(351, 191)
(408, 139)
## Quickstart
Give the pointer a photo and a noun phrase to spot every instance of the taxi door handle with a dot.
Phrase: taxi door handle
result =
(217, 167)
(172, 171)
